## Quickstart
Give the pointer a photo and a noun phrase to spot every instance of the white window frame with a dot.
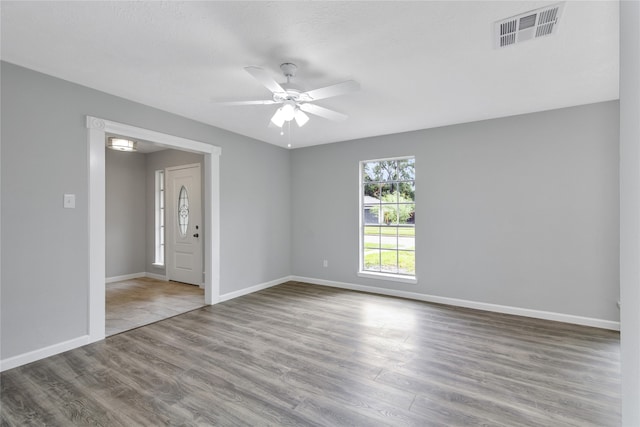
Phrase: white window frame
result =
(159, 219)
(403, 278)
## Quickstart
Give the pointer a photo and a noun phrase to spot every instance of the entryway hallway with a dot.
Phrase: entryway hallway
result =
(137, 302)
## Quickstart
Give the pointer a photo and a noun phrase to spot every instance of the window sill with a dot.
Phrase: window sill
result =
(157, 265)
(386, 276)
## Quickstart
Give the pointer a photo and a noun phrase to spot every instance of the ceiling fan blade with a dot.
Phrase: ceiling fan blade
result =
(261, 102)
(333, 90)
(263, 77)
(323, 112)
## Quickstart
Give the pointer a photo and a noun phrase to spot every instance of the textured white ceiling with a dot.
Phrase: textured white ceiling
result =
(420, 64)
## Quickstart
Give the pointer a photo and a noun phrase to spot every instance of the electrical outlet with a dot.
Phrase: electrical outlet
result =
(69, 201)
(325, 263)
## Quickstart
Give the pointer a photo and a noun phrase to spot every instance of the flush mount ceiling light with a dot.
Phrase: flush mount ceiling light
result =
(121, 144)
(294, 101)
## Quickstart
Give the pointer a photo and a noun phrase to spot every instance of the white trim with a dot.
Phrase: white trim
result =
(158, 216)
(156, 276)
(212, 219)
(384, 159)
(52, 350)
(136, 276)
(388, 277)
(169, 141)
(97, 231)
(177, 168)
(97, 129)
(518, 311)
(256, 288)
(113, 279)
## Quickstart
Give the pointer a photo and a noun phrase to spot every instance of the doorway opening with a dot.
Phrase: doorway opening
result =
(142, 285)
(97, 130)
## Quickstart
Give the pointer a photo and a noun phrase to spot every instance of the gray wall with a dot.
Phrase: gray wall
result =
(125, 212)
(44, 250)
(630, 210)
(521, 211)
(157, 161)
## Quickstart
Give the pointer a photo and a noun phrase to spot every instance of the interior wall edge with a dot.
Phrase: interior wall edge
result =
(630, 211)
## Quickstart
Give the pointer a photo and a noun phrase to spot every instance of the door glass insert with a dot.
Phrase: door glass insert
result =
(183, 211)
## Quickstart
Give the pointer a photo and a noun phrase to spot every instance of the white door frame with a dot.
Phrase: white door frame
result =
(97, 129)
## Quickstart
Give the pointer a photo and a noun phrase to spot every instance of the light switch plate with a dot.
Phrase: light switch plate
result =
(70, 201)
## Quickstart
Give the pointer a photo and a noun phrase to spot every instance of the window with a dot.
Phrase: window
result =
(159, 226)
(387, 218)
(183, 211)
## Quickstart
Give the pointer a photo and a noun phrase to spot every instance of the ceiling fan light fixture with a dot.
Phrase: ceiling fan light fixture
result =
(278, 118)
(301, 117)
(121, 144)
(293, 101)
(288, 110)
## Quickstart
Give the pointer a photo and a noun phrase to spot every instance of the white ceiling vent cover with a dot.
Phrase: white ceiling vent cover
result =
(529, 25)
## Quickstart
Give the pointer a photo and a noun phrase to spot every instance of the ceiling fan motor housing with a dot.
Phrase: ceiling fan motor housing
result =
(289, 69)
(293, 93)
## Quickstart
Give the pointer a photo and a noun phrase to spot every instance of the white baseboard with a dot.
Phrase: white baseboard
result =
(156, 276)
(518, 311)
(252, 289)
(135, 276)
(32, 356)
(125, 277)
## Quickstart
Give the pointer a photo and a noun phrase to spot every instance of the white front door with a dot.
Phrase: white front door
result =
(184, 224)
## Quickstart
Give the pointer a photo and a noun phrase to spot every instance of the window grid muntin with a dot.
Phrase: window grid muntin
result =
(397, 226)
(159, 218)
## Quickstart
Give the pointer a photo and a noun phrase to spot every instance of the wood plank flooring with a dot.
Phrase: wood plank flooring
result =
(299, 354)
(137, 302)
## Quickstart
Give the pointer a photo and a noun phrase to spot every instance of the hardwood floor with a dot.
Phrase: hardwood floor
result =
(299, 354)
(137, 302)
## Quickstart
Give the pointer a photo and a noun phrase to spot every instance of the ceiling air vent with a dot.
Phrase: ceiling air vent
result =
(526, 26)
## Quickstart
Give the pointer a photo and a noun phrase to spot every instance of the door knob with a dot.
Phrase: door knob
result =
(195, 235)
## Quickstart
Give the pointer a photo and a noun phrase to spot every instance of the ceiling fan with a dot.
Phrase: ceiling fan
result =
(295, 103)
